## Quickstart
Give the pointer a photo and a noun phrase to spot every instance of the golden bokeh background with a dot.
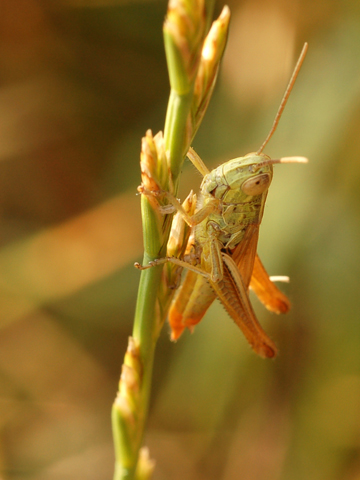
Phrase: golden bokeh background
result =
(81, 81)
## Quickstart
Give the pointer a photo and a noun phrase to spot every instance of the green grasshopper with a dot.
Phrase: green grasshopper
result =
(222, 260)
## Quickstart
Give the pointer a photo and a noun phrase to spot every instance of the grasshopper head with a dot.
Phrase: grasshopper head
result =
(251, 174)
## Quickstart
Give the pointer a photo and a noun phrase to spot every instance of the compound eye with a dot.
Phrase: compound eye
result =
(256, 185)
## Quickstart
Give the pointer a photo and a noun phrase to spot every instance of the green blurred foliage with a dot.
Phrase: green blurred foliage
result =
(81, 83)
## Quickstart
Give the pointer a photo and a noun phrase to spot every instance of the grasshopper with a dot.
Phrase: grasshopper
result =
(221, 258)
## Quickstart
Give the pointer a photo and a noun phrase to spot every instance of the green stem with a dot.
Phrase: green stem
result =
(175, 130)
(148, 318)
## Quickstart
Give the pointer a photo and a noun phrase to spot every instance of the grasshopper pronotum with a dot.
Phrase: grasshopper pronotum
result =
(223, 261)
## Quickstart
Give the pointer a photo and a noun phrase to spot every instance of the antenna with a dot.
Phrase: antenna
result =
(285, 97)
(271, 161)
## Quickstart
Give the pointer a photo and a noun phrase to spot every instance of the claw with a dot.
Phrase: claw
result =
(154, 193)
(142, 267)
(152, 263)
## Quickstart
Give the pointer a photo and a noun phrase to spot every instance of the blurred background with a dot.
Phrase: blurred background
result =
(81, 81)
